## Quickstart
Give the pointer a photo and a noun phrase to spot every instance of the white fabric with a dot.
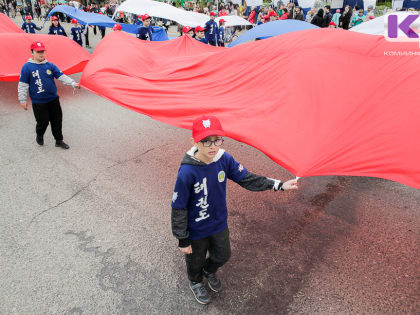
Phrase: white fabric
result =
(254, 3)
(397, 4)
(233, 20)
(167, 11)
(339, 4)
(367, 3)
(306, 3)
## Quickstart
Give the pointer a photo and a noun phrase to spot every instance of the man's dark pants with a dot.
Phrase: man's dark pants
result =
(217, 245)
(49, 112)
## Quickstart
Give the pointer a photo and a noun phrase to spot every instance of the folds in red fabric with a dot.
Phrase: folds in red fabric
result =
(317, 102)
(65, 53)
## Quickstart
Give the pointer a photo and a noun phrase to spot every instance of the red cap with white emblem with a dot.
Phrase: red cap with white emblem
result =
(205, 126)
(37, 46)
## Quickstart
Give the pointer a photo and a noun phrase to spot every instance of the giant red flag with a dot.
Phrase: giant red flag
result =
(318, 102)
(65, 53)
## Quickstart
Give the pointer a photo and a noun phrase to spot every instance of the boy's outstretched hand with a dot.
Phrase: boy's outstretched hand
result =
(186, 250)
(290, 184)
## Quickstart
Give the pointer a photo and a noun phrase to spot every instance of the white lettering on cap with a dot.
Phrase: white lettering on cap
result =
(39, 44)
(206, 123)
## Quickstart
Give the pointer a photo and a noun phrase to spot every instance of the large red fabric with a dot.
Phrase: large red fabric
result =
(318, 102)
(7, 25)
(65, 53)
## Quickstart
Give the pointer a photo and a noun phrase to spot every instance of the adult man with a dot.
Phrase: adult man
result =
(211, 30)
(144, 32)
(299, 14)
(37, 77)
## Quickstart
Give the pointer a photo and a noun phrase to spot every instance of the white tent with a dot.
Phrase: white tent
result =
(166, 11)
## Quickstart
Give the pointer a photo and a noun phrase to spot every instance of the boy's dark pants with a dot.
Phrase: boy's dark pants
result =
(218, 246)
(49, 112)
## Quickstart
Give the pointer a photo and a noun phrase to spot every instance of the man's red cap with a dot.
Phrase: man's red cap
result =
(117, 27)
(213, 13)
(199, 29)
(186, 29)
(205, 126)
(37, 46)
(54, 18)
(28, 17)
(74, 21)
(145, 17)
(222, 21)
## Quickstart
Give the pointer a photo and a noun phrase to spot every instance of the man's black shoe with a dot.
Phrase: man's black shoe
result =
(214, 283)
(61, 144)
(200, 292)
(40, 140)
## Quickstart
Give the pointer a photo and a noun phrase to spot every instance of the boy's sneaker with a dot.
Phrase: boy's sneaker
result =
(214, 283)
(40, 140)
(62, 145)
(200, 292)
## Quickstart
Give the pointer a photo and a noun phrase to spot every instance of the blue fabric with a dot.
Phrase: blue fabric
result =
(159, 33)
(202, 190)
(40, 77)
(271, 29)
(29, 27)
(83, 17)
(411, 4)
(76, 33)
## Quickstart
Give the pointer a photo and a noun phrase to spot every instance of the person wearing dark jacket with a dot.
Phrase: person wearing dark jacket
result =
(199, 212)
(345, 18)
(327, 16)
(299, 14)
(318, 18)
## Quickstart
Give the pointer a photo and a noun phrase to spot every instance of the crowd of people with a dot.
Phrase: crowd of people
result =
(214, 33)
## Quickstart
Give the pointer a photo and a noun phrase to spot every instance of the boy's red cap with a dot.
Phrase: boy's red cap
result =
(145, 17)
(37, 46)
(117, 27)
(222, 21)
(199, 29)
(332, 23)
(54, 18)
(186, 29)
(74, 21)
(205, 126)
(28, 17)
(213, 13)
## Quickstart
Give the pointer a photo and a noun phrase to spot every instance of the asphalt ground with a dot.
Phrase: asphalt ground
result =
(87, 230)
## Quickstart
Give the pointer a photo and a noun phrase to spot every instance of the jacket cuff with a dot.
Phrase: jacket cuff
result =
(184, 242)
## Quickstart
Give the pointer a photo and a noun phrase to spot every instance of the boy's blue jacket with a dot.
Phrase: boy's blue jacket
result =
(211, 30)
(199, 199)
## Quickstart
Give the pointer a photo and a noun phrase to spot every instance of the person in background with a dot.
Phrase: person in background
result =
(299, 14)
(318, 18)
(285, 14)
(187, 30)
(291, 10)
(199, 34)
(76, 32)
(332, 25)
(345, 18)
(336, 17)
(370, 14)
(221, 39)
(144, 32)
(56, 28)
(358, 19)
(29, 26)
(273, 16)
(327, 16)
(310, 15)
(211, 30)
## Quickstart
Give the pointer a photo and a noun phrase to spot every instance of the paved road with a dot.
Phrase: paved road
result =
(87, 231)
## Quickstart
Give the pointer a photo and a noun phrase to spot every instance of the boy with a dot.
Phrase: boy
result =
(144, 32)
(37, 77)
(76, 32)
(199, 213)
(29, 26)
(211, 30)
(221, 33)
(199, 34)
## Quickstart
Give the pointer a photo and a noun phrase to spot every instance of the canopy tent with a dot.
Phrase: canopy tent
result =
(415, 4)
(169, 12)
(271, 29)
(61, 50)
(7, 25)
(296, 123)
